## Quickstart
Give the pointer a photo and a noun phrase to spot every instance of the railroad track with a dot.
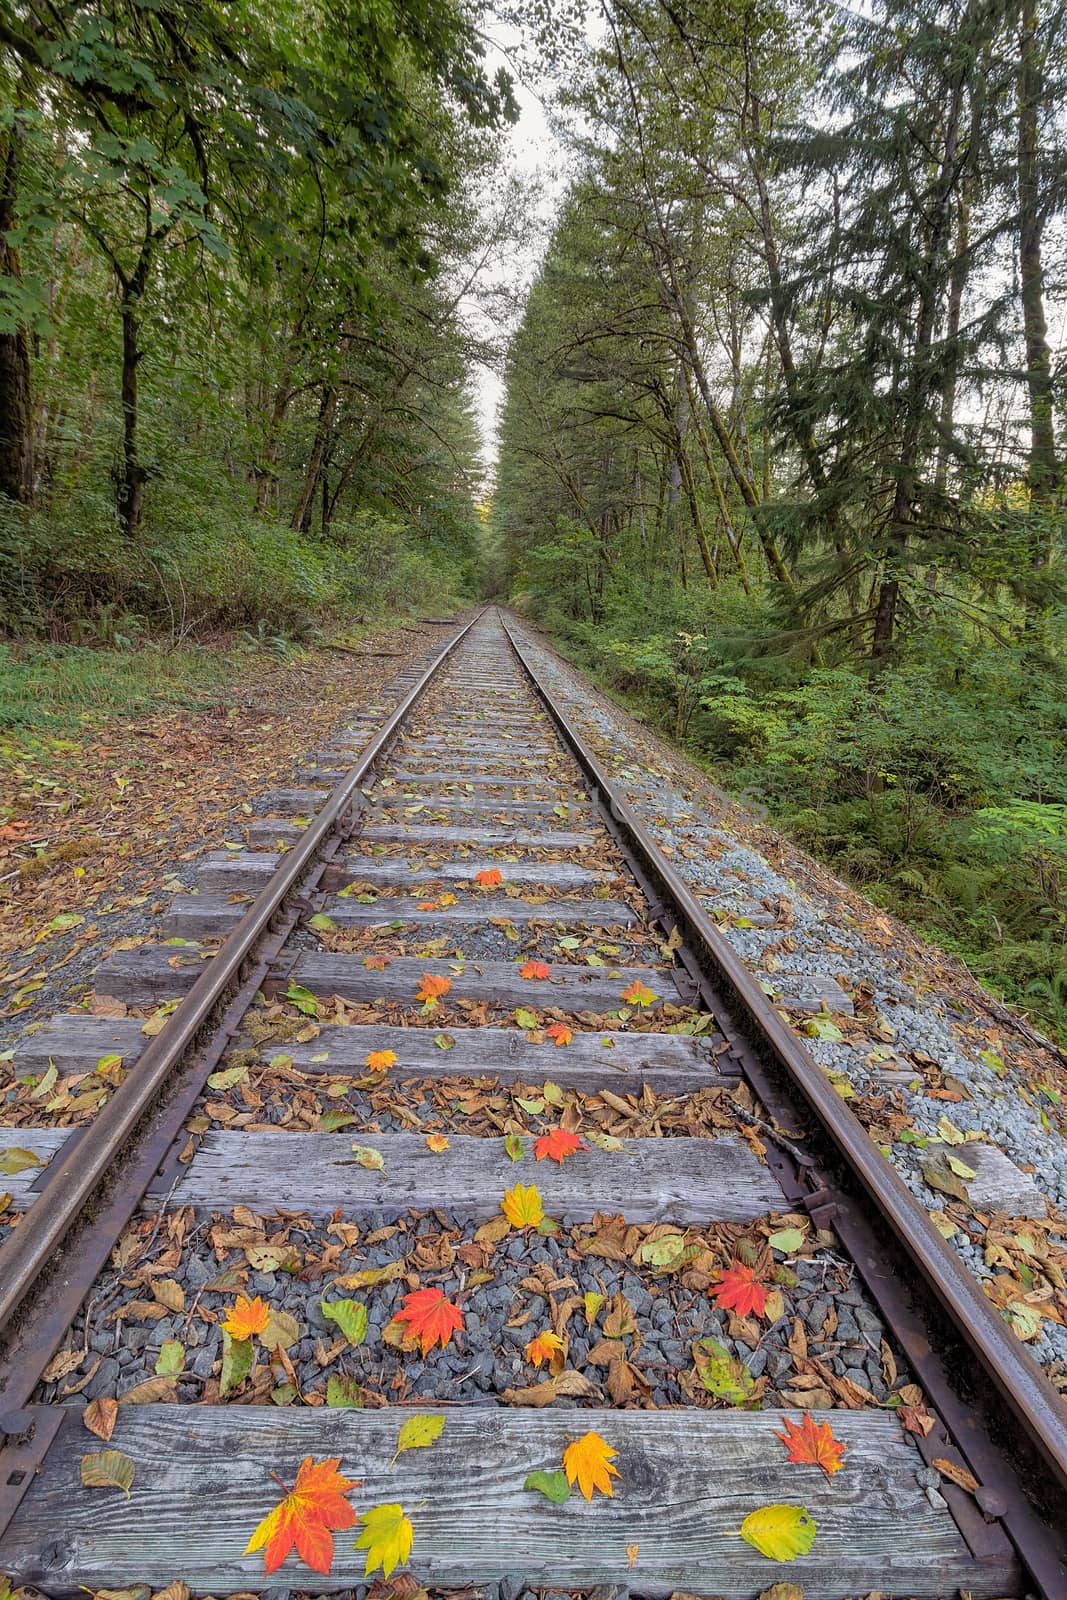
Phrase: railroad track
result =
(250, 1146)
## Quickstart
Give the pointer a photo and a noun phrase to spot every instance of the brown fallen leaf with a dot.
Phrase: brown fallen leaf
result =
(99, 1417)
(916, 1419)
(62, 1364)
(958, 1475)
(177, 1590)
(153, 1391)
(569, 1384)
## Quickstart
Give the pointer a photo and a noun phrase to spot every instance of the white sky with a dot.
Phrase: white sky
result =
(534, 157)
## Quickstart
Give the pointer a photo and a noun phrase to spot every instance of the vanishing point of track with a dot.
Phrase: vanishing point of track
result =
(477, 769)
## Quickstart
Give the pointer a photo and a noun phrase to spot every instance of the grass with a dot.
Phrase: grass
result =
(54, 690)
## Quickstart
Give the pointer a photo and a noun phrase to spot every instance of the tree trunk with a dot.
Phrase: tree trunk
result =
(16, 469)
(957, 284)
(301, 518)
(132, 480)
(1043, 468)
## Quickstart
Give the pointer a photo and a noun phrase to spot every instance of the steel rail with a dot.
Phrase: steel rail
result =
(1016, 1378)
(81, 1165)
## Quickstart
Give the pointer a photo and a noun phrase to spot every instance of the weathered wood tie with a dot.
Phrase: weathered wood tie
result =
(203, 916)
(441, 834)
(670, 1063)
(145, 975)
(686, 1481)
(226, 872)
(650, 1180)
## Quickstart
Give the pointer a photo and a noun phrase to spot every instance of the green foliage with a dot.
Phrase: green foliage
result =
(227, 337)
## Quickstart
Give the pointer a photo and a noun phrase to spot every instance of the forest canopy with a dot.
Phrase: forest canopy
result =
(782, 451)
(232, 382)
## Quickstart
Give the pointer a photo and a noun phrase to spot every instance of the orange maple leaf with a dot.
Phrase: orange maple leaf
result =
(557, 1144)
(315, 1505)
(426, 905)
(381, 1060)
(638, 995)
(376, 963)
(432, 988)
(246, 1317)
(588, 1460)
(738, 1289)
(543, 1346)
(534, 969)
(489, 877)
(437, 1142)
(560, 1033)
(812, 1443)
(430, 1317)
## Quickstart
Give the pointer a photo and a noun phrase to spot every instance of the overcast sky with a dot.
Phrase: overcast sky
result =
(535, 157)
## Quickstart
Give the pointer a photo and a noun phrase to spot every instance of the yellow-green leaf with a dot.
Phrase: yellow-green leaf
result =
(236, 1362)
(171, 1359)
(367, 1156)
(108, 1469)
(780, 1532)
(787, 1240)
(387, 1538)
(418, 1433)
(17, 1160)
(349, 1315)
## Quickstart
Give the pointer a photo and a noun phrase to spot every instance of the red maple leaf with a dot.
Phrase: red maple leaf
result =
(557, 1144)
(813, 1443)
(430, 1317)
(315, 1505)
(559, 1033)
(535, 969)
(738, 1289)
(489, 877)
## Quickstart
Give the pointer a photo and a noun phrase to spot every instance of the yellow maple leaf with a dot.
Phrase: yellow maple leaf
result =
(588, 1461)
(448, 900)
(387, 1537)
(436, 1142)
(246, 1317)
(381, 1060)
(522, 1206)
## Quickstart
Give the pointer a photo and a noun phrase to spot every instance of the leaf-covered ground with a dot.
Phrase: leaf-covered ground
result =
(99, 829)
